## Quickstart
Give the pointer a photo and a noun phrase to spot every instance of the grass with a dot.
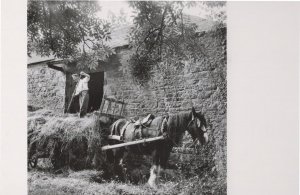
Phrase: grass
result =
(81, 182)
(87, 182)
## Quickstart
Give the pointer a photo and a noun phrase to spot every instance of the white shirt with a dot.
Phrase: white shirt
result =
(82, 85)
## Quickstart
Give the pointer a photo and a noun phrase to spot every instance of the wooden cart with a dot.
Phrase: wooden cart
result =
(112, 108)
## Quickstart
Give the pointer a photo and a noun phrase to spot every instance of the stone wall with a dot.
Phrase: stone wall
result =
(201, 84)
(46, 87)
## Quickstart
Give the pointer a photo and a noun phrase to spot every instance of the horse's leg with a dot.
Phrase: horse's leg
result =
(123, 158)
(121, 164)
(154, 169)
(152, 178)
(165, 149)
(163, 155)
(118, 162)
(158, 172)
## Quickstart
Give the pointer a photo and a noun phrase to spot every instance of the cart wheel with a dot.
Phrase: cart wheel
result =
(55, 163)
(32, 163)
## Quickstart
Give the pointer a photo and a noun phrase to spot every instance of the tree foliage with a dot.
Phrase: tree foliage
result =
(216, 11)
(68, 30)
(161, 36)
(119, 19)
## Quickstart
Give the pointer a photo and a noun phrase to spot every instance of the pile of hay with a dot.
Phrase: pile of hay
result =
(66, 139)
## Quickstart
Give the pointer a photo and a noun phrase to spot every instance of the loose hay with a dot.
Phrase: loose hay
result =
(65, 138)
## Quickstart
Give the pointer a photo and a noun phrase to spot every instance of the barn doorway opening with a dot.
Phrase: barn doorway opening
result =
(95, 90)
(95, 84)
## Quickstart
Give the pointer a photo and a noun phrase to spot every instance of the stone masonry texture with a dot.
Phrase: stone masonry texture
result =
(201, 84)
(46, 87)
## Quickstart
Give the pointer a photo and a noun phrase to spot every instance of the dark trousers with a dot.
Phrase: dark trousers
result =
(83, 103)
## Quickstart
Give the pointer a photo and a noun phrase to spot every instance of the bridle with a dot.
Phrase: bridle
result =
(194, 120)
(191, 121)
(203, 130)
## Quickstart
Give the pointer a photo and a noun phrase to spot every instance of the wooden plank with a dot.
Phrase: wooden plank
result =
(108, 107)
(109, 147)
(115, 137)
(115, 105)
(122, 109)
(102, 104)
(111, 109)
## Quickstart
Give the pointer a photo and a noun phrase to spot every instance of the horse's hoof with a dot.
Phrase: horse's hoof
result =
(152, 185)
(59, 171)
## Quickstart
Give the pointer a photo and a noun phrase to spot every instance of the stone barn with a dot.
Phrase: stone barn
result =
(50, 83)
(201, 84)
(50, 86)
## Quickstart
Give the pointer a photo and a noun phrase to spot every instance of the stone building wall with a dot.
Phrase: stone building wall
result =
(45, 87)
(201, 84)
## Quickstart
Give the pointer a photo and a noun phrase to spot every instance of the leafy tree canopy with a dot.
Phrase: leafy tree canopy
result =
(68, 30)
(161, 37)
(71, 30)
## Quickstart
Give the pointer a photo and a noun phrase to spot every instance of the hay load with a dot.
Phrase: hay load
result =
(66, 139)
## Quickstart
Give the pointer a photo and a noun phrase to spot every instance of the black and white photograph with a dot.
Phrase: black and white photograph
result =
(126, 97)
(149, 97)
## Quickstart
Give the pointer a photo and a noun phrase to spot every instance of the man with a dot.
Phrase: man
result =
(82, 90)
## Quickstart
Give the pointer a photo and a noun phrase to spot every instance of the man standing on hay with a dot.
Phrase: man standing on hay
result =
(81, 92)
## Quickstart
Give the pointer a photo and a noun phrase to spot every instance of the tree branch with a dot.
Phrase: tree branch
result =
(83, 38)
(147, 36)
(182, 25)
(162, 25)
(50, 27)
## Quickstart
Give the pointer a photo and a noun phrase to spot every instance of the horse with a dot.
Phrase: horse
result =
(172, 127)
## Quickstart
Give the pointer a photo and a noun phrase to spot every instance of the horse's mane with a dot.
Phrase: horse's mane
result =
(177, 124)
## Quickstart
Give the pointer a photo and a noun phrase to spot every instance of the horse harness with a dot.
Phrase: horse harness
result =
(142, 124)
(195, 120)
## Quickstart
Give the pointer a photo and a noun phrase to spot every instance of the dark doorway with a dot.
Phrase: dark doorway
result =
(95, 92)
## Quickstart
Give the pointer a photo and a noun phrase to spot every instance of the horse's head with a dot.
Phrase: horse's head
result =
(197, 127)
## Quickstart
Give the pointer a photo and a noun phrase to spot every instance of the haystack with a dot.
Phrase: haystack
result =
(66, 139)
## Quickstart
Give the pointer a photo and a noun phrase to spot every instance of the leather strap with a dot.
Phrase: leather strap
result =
(124, 129)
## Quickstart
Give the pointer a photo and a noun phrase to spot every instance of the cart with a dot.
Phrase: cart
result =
(114, 109)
